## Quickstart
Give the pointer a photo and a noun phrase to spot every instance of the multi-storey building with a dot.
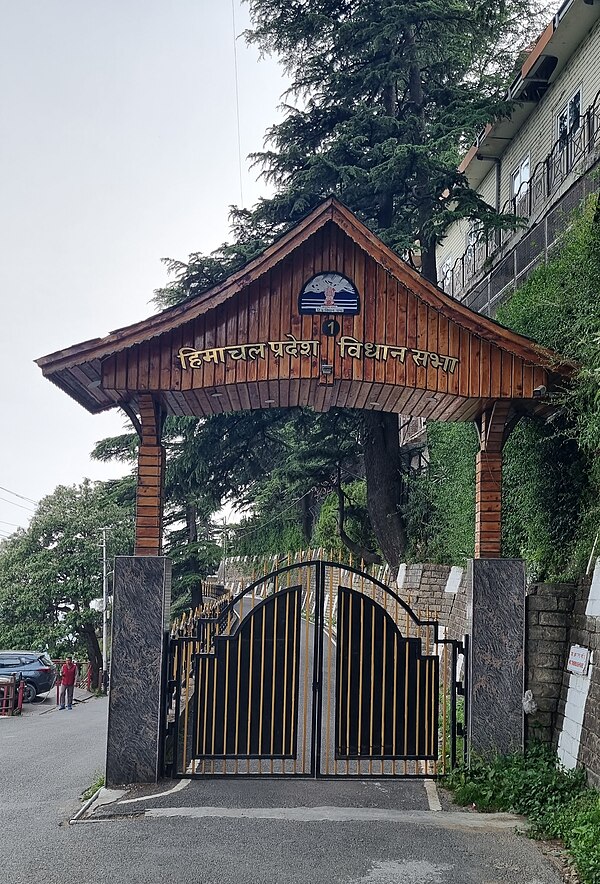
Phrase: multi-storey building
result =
(537, 164)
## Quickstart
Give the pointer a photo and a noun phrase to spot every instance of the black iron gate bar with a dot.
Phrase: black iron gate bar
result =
(196, 694)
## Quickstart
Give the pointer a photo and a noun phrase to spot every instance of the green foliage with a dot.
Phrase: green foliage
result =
(441, 501)
(559, 307)
(357, 522)
(392, 92)
(192, 561)
(551, 473)
(93, 787)
(51, 572)
(263, 536)
(578, 825)
(554, 799)
(530, 783)
(550, 505)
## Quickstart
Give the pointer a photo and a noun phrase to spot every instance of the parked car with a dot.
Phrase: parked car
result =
(36, 667)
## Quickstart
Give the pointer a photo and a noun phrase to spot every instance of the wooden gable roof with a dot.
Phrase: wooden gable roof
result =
(244, 343)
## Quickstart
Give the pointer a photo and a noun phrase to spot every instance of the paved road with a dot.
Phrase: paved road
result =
(230, 832)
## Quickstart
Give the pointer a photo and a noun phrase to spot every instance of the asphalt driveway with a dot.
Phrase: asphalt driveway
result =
(231, 832)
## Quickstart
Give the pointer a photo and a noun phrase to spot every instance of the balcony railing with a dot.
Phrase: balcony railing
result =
(548, 176)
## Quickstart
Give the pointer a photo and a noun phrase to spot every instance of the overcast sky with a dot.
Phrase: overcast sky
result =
(118, 147)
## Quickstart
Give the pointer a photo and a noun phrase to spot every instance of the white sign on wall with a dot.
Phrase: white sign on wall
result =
(579, 659)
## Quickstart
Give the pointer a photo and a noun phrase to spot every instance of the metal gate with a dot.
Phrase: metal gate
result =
(317, 669)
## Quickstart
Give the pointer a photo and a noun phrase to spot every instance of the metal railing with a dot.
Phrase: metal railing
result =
(548, 176)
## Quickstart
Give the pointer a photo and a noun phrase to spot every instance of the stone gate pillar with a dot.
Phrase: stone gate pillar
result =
(140, 624)
(496, 665)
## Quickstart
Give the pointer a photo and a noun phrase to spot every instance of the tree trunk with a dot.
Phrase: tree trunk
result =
(88, 634)
(361, 553)
(428, 260)
(306, 517)
(191, 514)
(424, 196)
(190, 519)
(386, 203)
(384, 484)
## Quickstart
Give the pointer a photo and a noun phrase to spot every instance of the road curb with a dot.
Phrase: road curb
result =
(83, 809)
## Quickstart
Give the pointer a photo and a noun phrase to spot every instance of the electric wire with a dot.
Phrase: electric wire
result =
(28, 508)
(21, 496)
(12, 524)
(293, 503)
(275, 518)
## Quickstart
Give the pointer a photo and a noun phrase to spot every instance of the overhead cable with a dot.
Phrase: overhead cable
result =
(14, 503)
(275, 518)
(21, 496)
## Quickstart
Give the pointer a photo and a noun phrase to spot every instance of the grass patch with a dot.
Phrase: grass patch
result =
(555, 800)
(93, 787)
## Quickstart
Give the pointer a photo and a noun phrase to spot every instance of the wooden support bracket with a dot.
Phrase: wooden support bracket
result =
(494, 428)
(150, 480)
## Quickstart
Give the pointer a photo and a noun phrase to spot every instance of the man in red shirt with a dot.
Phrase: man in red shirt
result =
(68, 674)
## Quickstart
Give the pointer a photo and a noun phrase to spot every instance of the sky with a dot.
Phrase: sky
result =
(118, 147)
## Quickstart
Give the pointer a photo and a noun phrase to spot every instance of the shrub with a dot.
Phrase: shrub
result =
(554, 799)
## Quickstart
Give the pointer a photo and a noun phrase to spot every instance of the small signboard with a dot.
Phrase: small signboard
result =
(329, 293)
(579, 659)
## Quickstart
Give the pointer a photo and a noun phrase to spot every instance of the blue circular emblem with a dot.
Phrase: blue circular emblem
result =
(329, 293)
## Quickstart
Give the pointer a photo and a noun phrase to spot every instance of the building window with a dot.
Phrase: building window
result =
(568, 119)
(519, 190)
(520, 178)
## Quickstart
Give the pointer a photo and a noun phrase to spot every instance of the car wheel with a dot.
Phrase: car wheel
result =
(29, 692)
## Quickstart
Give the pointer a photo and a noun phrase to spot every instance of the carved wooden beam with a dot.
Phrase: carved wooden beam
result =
(150, 480)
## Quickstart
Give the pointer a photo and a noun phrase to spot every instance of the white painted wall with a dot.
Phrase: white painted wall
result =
(454, 578)
(570, 736)
(593, 603)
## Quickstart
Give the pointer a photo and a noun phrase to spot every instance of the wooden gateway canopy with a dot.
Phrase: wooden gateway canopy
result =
(326, 317)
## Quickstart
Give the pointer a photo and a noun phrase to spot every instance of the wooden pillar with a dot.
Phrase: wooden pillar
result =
(488, 482)
(150, 480)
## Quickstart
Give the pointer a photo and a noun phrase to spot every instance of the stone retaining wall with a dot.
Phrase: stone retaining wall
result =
(548, 608)
(560, 616)
(578, 727)
(441, 589)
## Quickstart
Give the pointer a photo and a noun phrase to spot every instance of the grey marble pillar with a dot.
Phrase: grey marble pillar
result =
(496, 590)
(140, 621)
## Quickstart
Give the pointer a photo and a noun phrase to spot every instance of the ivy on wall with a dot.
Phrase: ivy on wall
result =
(441, 502)
(551, 475)
(552, 472)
